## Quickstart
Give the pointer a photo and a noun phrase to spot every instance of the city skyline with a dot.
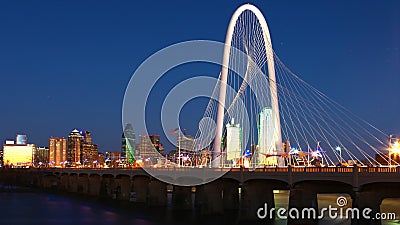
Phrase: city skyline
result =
(74, 89)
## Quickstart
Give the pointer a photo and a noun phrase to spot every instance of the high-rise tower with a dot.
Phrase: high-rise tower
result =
(74, 152)
(233, 142)
(57, 151)
(266, 144)
(89, 150)
(128, 146)
(149, 145)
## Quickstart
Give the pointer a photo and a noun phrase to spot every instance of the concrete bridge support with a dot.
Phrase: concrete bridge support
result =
(106, 186)
(94, 185)
(230, 194)
(29, 179)
(157, 193)
(64, 182)
(304, 195)
(73, 183)
(83, 184)
(301, 198)
(139, 189)
(371, 196)
(49, 182)
(363, 200)
(209, 199)
(257, 194)
(122, 187)
(182, 198)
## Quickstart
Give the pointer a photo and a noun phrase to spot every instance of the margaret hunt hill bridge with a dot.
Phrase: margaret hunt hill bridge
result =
(267, 130)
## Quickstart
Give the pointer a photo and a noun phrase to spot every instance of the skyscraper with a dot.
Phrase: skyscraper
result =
(233, 142)
(81, 150)
(185, 142)
(266, 138)
(128, 146)
(89, 150)
(74, 152)
(41, 156)
(57, 151)
(149, 145)
(87, 137)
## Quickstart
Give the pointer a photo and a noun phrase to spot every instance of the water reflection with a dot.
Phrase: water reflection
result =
(46, 209)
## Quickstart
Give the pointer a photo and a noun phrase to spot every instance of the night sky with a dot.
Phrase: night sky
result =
(66, 64)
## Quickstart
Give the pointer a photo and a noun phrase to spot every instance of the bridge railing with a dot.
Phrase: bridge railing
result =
(270, 169)
(378, 169)
(300, 169)
(235, 170)
(322, 169)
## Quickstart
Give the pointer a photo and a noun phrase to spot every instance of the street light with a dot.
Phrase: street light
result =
(393, 149)
(338, 148)
(396, 148)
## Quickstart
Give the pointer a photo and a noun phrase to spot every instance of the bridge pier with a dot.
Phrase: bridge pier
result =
(83, 183)
(255, 194)
(371, 200)
(49, 182)
(73, 183)
(302, 198)
(64, 180)
(230, 194)
(94, 185)
(208, 198)
(122, 187)
(29, 179)
(157, 193)
(182, 198)
(106, 185)
(140, 189)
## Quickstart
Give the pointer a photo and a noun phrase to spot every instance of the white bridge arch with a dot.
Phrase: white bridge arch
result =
(277, 137)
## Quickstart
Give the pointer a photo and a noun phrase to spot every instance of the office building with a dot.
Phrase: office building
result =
(57, 151)
(233, 142)
(18, 155)
(112, 159)
(81, 151)
(128, 146)
(74, 150)
(185, 143)
(266, 145)
(100, 159)
(149, 146)
(89, 151)
(41, 157)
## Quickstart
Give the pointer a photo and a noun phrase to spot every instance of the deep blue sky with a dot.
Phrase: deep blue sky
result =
(65, 64)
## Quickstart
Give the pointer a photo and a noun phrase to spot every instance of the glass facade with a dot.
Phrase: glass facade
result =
(128, 146)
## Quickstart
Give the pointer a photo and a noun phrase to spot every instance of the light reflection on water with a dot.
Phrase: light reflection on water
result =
(46, 209)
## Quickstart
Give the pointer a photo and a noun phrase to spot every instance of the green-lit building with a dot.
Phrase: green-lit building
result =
(128, 146)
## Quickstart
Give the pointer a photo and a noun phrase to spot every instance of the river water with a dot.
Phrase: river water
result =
(31, 208)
